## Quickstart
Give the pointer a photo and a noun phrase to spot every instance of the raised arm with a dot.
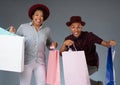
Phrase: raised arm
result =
(108, 43)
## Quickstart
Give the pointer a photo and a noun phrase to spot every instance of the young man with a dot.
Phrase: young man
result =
(83, 40)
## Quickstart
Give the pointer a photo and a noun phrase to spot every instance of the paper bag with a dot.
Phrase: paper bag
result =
(110, 71)
(75, 68)
(53, 70)
(11, 53)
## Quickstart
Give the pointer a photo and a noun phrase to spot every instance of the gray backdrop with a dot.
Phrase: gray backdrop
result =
(102, 18)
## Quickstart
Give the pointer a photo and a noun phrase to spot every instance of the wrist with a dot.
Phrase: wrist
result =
(108, 44)
(64, 47)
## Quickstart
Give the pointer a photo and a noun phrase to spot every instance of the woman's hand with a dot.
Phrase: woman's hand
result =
(12, 29)
(53, 45)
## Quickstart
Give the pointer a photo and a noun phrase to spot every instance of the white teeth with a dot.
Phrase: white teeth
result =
(75, 33)
(37, 20)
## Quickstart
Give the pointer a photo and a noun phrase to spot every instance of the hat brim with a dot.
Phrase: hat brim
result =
(69, 23)
(41, 7)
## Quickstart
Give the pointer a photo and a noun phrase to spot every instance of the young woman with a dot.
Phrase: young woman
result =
(37, 36)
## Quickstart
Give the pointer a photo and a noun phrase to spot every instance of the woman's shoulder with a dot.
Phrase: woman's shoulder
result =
(45, 28)
(26, 24)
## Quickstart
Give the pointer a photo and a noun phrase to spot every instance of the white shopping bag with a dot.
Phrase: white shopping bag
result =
(11, 52)
(75, 68)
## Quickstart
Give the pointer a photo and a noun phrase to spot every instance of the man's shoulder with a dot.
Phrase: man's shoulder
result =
(85, 33)
(69, 37)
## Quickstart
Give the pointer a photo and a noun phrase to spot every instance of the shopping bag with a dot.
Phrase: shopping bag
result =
(11, 52)
(75, 68)
(53, 69)
(110, 72)
(5, 32)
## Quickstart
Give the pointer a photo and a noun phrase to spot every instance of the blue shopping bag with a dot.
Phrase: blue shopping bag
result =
(109, 67)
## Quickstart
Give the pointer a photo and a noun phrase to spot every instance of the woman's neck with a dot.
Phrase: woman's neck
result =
(37, 27)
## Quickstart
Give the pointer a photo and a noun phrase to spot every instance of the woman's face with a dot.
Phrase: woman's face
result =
(38, 18)
(76, 29)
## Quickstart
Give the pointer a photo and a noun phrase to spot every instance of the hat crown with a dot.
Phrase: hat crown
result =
(75, 19)
(42, 7)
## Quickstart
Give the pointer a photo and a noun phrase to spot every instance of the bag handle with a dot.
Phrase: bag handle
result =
(73, 47)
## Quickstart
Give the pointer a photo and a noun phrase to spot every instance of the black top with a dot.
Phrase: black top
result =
(86, 41)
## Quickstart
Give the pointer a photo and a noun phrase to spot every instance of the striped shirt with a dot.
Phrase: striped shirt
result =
(35, 42)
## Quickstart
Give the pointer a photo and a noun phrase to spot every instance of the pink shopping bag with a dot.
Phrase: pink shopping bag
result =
(75, 68)
(53, 70)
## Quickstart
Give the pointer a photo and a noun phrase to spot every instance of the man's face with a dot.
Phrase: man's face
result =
(76, 28)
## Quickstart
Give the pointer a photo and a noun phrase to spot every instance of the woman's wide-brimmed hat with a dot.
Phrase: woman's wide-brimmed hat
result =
(75, 19)
(42, 7)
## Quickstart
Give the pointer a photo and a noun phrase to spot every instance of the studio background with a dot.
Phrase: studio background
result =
(101, 16)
